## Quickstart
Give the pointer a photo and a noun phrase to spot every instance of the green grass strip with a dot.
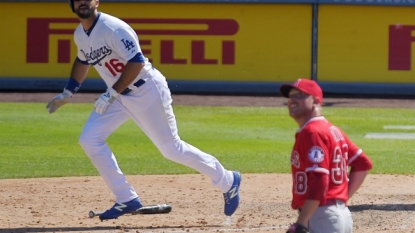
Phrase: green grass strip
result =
(250, 139)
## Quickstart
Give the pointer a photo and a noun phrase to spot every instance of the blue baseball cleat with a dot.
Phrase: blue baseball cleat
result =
(232, 196)
(119, 209)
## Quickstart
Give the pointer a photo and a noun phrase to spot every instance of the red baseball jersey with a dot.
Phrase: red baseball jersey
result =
(322, 147)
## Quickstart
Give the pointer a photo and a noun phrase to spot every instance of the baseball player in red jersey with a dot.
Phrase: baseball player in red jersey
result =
(320, 159)
(136, 91)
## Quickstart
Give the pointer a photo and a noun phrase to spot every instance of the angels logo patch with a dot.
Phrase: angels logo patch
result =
(316, 154)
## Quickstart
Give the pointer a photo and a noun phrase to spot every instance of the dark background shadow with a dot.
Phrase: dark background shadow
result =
(385, 207)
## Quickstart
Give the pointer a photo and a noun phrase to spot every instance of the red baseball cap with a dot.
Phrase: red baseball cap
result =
(305, 85)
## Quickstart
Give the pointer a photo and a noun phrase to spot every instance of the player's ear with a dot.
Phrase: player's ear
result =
(316, 100)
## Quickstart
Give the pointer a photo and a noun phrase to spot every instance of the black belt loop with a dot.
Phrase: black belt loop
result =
(126, 91)
(137, 84)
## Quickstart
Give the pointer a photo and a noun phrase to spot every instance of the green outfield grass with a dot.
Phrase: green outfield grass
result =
(250, 139)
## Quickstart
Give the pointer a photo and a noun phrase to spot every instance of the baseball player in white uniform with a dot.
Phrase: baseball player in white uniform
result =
(136, 91)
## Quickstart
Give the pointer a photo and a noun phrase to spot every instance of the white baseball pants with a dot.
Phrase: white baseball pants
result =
(149, 106)
(331, 219)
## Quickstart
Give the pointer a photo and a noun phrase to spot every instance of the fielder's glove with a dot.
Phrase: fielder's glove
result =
(59, 100)
(105, 100)
(297, 228)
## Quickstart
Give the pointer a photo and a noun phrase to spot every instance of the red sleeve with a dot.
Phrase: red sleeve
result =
(358, 160)
(315, 142)
(317, 186)
(361, 163)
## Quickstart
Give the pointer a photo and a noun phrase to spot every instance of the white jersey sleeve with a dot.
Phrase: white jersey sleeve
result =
(125, 43)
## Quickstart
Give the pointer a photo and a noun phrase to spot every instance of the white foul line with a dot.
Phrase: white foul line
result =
(390, 135)
(404, 127)
(247, 229)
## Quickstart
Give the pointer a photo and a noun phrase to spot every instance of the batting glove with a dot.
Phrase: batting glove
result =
(105, 100)
(297, 228)
(59, 100)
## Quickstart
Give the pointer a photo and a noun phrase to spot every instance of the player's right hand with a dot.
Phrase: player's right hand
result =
(58, 101)
(297, 228)
(105, 100)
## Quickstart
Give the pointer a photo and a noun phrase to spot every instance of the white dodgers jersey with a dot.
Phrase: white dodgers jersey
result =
(108, 45)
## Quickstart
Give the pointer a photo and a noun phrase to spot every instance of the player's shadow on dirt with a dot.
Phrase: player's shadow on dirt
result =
(385, 207)
(104, 228)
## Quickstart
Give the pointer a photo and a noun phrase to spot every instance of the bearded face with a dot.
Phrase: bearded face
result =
(85, 8)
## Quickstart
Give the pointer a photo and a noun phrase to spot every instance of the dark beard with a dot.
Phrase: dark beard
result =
(85, 14)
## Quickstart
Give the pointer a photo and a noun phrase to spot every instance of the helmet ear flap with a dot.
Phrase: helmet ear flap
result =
(71, 4)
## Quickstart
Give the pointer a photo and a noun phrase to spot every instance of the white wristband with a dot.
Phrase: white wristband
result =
(113, 92)
(68, 92)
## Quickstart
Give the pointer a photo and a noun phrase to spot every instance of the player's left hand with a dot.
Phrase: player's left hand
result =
(297, 228)
(105, 100)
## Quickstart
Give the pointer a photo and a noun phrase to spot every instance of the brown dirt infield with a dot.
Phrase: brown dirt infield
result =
(385, 203)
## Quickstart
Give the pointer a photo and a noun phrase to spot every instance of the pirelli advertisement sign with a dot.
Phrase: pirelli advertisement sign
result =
(360, 43)
(226, 42)
(266, 41)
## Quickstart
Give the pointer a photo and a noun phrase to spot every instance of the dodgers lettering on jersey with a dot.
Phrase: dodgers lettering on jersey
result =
(108, 45)
(321, 147)
(94, 57)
